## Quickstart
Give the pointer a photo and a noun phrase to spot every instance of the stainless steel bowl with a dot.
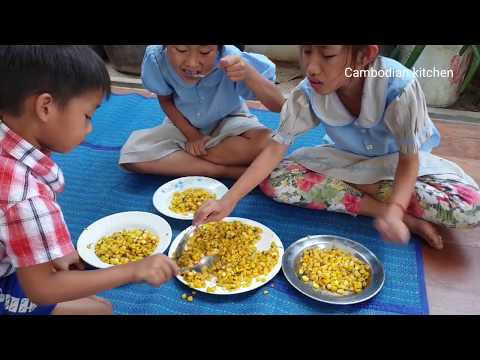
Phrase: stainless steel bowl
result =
(294, 253)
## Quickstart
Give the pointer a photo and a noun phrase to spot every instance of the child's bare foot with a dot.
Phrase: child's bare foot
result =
(426, 230)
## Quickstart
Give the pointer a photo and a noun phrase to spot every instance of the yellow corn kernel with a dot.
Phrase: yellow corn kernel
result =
(126, 246)
(334, 270)
(190, 200)
(238, 262)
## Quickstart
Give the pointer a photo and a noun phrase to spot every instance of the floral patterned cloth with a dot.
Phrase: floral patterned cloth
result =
(448, 202)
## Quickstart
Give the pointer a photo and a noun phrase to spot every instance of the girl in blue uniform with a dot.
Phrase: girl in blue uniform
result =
(208, 129)
(379, 163)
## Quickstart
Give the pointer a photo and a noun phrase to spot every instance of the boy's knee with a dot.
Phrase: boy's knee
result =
(107, 308)
(102, 307)
(264, 135)
(261, 138)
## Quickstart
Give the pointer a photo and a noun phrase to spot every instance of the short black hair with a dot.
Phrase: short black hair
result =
(64, 71)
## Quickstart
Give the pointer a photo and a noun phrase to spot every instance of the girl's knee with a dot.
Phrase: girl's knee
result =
(142, 168)
(472, 218)
(459, 219)
(132, 167)
(267, 188)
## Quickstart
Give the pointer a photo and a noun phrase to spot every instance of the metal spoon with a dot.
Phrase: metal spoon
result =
(206, 261)
(201, 76)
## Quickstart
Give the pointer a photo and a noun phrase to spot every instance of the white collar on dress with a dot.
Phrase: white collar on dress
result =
(330, 109)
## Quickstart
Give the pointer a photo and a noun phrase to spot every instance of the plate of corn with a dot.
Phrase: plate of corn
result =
(333, 269)
(182, 197)
(248, 255)
(122, 238)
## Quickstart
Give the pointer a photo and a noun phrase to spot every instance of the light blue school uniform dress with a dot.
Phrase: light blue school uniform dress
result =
(364, 150)
(215, 105)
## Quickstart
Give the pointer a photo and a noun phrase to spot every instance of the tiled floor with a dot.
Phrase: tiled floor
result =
(452, 274)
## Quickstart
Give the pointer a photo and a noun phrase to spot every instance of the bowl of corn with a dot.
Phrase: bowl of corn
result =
(333, 269)
(181, 198)
(122, 238)
(248, 256)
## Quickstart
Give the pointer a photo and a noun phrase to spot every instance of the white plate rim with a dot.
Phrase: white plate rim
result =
(171, 214)
(89, 256)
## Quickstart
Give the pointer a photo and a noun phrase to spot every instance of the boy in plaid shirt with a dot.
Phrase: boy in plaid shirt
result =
(48, 95)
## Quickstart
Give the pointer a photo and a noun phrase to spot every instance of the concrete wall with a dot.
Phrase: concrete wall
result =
(288, 53)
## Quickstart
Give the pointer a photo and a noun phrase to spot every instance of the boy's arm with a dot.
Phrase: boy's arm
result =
(177, 118)
(44, 286)
(265, 91)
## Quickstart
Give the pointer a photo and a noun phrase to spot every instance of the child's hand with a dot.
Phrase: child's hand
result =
(155, 269)
(70, 260)
(197, 147)
(212, 210)
(236, 68)
(391, 226)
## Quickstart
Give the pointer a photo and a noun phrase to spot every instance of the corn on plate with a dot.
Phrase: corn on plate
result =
(333, 269)
(188, 201)
(169, 198)
(137, 234)
(125, 246)
(249, 255)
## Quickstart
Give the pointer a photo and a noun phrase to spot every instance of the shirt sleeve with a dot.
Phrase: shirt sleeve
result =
(35, 232)
(408, 120)
(263, 65)
(152, 76)
(296, 118)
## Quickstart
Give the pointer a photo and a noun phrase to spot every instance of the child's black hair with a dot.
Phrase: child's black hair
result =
(220, 48)
(64, 71)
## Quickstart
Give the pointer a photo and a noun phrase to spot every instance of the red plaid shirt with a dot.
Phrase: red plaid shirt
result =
(32, 228)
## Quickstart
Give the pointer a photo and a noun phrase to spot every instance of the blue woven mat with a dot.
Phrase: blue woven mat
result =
(96, 187)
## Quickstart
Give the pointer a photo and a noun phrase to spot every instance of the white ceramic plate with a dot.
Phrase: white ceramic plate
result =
(268, 236)
(117, 222)
(164, 194)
